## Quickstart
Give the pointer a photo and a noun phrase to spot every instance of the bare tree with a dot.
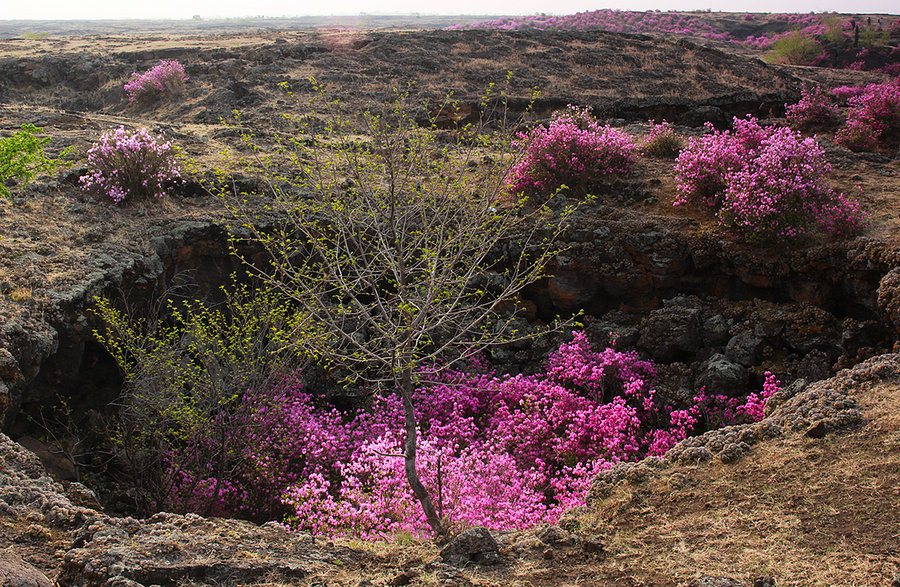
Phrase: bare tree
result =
(402, 250)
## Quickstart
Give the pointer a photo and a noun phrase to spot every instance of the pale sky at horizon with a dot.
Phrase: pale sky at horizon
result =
(181, 9)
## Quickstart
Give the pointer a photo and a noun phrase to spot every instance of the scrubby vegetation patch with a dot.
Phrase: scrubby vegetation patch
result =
(22, 157)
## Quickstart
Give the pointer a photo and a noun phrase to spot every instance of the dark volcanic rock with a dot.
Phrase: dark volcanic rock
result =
(745, 348)
(721, 376)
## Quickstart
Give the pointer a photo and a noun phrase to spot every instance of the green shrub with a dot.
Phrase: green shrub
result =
(662, 141)
(186, 370)
(794, 49)
(870, 38)
(22, 157)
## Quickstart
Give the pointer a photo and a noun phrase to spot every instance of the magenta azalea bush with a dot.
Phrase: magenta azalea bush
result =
(573, 150)
(130, 165)
(815, 108)
(873, 118)
(722, 410)
(704, 167)
(166, 78)
(498, 451)
(768, 184)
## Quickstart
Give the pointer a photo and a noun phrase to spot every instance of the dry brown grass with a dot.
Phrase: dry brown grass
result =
(20, 294)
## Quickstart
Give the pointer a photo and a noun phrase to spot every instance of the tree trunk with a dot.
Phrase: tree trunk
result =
(405, 388)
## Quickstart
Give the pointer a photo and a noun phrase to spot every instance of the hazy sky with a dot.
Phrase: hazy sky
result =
(90, 9)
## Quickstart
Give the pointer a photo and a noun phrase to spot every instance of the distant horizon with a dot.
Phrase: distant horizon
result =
(178, 10)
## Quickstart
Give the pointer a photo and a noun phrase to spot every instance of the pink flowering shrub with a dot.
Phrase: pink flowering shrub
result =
(130, 165)
(704, 167)
(873, 118)
(815, 108)
(768, 184)
(572, 150)
(662, 141)
(844, 93)
(502, 452)
(166, 78)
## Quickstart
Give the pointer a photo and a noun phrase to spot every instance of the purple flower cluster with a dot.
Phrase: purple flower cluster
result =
(572, 150)
(721, 410)
(502, 452)
(166, 78)
(815, 108)
(844, 93)
(873, 118)
(130, 164)
(768, 184)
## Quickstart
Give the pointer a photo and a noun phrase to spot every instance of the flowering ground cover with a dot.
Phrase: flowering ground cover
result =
(500, 451)
(620, 21)
(819, 39)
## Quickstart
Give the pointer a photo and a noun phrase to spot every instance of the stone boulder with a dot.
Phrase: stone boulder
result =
(475, 545)
(745, 349)
(671, 333)
(722, 376)
(14, 572)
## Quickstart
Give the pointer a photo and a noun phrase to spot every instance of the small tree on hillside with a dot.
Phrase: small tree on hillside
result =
(402, 251)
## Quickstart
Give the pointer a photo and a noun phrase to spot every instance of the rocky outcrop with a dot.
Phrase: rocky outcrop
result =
(168, 549)
(54, 354)
(889, 297)
(38, 514)
(633, 260)
(28, 492)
